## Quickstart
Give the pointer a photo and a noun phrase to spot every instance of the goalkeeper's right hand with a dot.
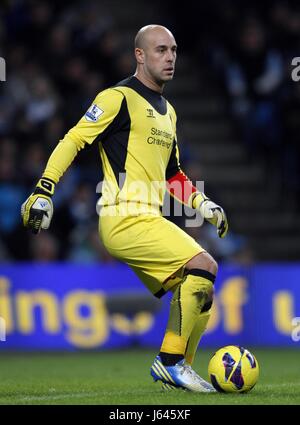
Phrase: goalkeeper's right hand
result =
(37, 210)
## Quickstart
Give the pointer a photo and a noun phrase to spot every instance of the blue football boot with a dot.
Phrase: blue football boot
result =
(180, 376)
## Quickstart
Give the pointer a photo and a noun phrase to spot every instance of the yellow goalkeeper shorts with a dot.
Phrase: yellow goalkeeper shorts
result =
(155, 248)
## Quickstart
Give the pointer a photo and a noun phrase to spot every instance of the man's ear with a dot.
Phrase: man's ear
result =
(139, 55)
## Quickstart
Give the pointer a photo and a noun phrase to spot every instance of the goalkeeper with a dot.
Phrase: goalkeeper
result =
(135, 127)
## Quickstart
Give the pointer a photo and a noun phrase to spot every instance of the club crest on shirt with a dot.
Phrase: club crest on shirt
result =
(150, 113)
(93, 113)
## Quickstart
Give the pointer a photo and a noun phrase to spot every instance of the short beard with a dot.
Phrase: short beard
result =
(161, 81)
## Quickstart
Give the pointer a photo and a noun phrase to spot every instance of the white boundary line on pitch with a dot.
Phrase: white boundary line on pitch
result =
(284, 384)
(55, 397)
(72, 395)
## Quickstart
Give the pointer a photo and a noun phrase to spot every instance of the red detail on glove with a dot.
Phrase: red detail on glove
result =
(181, 187)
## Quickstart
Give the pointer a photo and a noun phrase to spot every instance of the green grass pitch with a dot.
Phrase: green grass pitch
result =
(122, 377)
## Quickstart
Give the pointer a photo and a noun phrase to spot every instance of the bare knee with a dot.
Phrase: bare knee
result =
(203, 261)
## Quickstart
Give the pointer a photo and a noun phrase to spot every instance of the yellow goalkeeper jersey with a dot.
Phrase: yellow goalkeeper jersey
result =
(136, 131)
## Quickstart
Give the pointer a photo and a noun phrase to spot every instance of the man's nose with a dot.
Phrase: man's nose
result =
(170, 56)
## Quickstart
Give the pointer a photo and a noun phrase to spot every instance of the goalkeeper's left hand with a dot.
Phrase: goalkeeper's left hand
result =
(212, 212)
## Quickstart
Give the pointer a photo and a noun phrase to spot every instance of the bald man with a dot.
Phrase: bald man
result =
(135, 127)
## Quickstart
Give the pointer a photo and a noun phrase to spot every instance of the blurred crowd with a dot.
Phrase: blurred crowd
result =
(53, 51)
(249, 47)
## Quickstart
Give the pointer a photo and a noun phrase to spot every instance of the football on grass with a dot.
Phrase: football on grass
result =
(233, 369)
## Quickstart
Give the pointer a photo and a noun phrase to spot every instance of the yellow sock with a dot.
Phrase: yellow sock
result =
(195, 336)
(173, 344)
(188, 299)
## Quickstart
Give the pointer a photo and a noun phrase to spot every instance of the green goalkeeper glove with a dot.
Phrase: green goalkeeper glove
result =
(212, 212)
(37, 210)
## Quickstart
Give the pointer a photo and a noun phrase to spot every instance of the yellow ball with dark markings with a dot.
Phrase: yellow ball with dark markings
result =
(233, 369)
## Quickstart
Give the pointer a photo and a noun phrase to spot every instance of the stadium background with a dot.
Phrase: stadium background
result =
(238, 129)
